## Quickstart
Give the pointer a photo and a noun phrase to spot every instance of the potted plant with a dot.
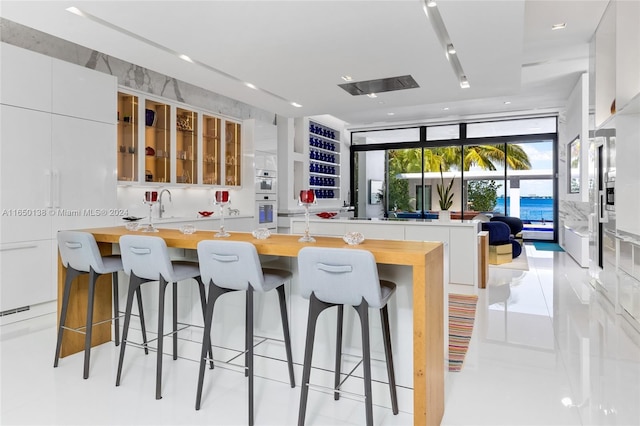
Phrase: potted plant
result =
(445, 196)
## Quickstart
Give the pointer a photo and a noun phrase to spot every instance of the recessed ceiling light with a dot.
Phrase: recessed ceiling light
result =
(431, 3)
(391, 113)
(507, 102)
(560, 26)
(74, 10)
(250, 86)
(185, 58)
(347, 78)
(372, 95)
(450, 49)
(464, 83)
(445, 109)
(295, 104)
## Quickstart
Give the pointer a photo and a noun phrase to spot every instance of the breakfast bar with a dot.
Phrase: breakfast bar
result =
(425, 260)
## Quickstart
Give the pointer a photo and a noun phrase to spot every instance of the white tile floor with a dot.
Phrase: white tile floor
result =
(546, 350)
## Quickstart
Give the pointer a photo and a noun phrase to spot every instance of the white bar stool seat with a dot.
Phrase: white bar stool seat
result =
(336, 277)
(235, 266)
(80, 255)
(146, 259)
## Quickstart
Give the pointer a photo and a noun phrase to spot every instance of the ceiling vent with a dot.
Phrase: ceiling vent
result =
(390, 84)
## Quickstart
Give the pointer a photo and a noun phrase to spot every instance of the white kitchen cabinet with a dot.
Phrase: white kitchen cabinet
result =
(83, 93)
(25, 78)
(84, 181)
(57, 164)
(26, 274)
(25, 173)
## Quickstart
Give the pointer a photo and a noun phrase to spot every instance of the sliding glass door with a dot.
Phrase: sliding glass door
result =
(465, 169)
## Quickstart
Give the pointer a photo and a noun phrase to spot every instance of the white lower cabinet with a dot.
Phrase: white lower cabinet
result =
(26, 275)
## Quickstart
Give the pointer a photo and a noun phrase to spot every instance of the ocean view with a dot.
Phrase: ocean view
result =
(531, 208)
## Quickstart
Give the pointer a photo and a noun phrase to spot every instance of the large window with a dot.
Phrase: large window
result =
(496, 172)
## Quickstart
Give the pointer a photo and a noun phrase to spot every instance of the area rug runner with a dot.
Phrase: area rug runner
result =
(542, 246)
(462, 314)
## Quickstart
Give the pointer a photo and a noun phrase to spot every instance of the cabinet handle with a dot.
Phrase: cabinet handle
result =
(18, 246)
(47, 189)
(56, 189)
(602, 216)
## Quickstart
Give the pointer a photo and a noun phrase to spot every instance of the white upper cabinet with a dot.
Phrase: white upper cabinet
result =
(25, 173)
(627, 52)
(25, 78)
(84, 93)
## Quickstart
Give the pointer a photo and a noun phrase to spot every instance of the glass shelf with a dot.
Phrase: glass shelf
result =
(186, 146)
(157, 161)
(211, 150)
(233, 154)
(127, 137)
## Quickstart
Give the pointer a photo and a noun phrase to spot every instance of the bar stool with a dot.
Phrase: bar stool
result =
(146, 259)
(235, 266)
(337, 277)
(80, 255)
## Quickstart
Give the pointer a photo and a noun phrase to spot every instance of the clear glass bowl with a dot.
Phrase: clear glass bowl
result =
(261, 233)
(353, 238)
(132, 226)
(188, 229)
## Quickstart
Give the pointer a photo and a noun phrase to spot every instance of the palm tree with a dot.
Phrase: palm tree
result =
(447, 158)
(483, 156)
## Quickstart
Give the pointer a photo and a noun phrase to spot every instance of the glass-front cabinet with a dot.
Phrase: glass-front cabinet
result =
(157, 138)
(211, 150)
(233, 153)
(161, 141)
(186, 146)
(127, 137)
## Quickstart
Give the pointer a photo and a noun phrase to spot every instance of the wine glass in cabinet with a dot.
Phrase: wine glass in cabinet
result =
(157, 142)
(211, 150)
(127, 137)
(186, 146)
(233, 153)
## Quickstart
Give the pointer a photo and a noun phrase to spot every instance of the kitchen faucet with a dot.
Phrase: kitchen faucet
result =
(160, 205)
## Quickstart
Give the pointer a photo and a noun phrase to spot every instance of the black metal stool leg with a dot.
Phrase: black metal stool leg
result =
(340, 320)
(175, 321)
(93, 277)
(116, 307)
(386, 335)
(249, 337)
(315, 308)
(214, 293)
(143, 328)
(363, 312)
(71, 275)
(161, 292)
(134, 289)
(285, 331)
(203, 302)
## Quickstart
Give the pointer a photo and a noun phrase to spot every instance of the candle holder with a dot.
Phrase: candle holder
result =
(150, 198)
(307, 198)
(222, 200)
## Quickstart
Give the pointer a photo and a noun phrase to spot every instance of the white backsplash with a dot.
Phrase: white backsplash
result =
(185, 202)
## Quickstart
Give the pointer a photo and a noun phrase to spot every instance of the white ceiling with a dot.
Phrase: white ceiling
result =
(299, 50)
